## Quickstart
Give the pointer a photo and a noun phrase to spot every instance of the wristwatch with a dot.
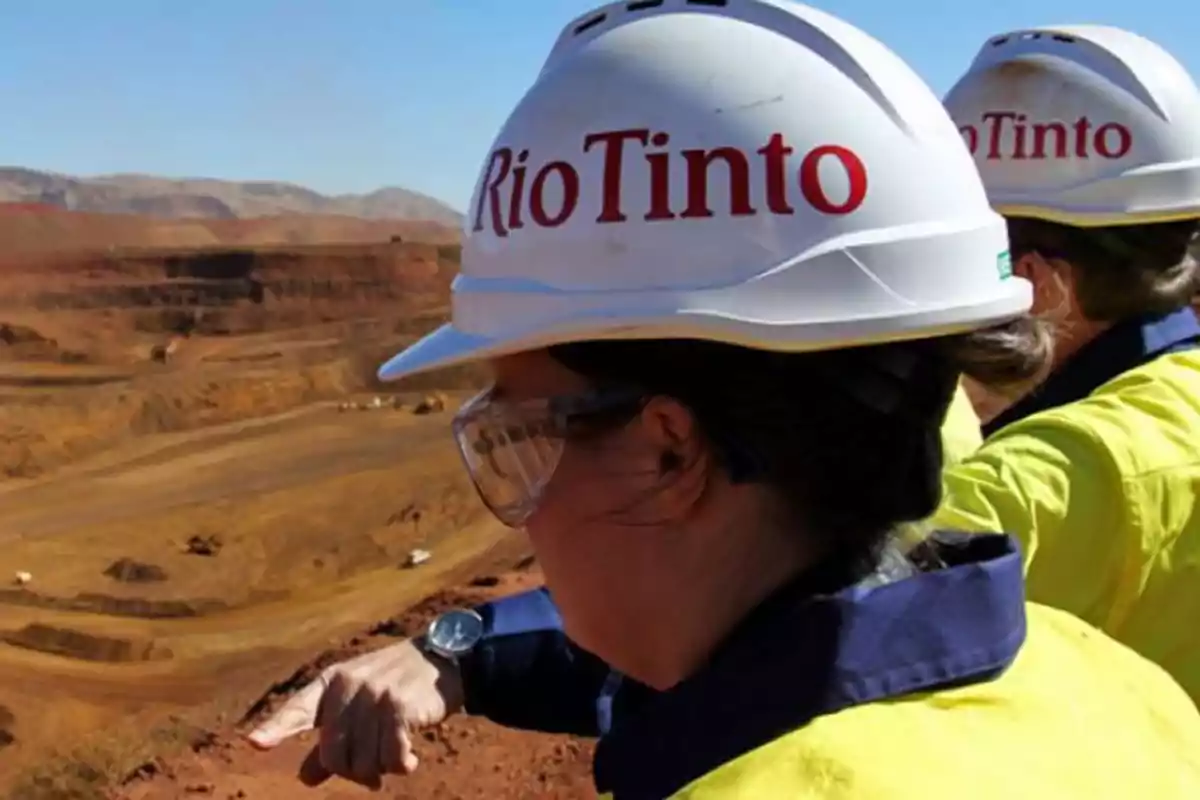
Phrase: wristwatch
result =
(454, 634)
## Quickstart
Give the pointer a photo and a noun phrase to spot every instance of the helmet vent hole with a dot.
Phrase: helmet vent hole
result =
(642, 5)
(588, 24)
(713, 3)
(1032, 36)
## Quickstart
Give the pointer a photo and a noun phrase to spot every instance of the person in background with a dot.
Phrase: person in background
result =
(1088, 141)
(716, 396)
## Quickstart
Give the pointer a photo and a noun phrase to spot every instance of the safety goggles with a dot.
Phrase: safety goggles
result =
(512, 448)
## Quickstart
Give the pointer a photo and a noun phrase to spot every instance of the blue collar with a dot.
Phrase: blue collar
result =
(803, 654)
(1121, 348)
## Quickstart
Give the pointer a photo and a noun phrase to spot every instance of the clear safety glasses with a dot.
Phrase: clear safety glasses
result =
(511, 449)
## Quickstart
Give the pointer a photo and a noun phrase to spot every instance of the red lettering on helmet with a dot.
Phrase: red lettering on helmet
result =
(489, 191)
(1041, 132)
(970, 135)
(570, 194)
(614, 154)
(813, 190)
(1011, 135)
(1124, 140)
(996, 120)
(1081, 136)
(507, 201)
(514, 201)
(698, 164)
(660, 180)
(775, 153)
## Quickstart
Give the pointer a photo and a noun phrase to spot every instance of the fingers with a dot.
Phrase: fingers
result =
(382, 755)
(297, 715)
(312, 771)
(396, 755)
(363, 725)
(363, 740)
(334, 744)
(408, 758)
(357, 726)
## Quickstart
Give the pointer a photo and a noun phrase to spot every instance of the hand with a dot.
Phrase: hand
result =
(365, 709)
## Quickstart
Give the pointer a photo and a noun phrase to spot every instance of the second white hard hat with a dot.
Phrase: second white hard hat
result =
(1083, 125)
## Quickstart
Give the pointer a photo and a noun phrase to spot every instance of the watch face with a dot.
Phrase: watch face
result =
(455, 632)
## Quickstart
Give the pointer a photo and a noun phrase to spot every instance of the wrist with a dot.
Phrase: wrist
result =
(454, 644)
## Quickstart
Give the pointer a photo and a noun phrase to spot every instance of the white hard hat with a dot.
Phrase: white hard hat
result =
(758, 173)
(1083, 125)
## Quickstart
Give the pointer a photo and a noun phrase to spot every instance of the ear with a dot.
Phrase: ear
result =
(682, 457)
(1030, 266)
(670, 427)
(1051, 281)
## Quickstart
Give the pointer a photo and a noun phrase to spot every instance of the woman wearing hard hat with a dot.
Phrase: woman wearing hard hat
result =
(727, 262)
(1088, 141)
(1096, 472)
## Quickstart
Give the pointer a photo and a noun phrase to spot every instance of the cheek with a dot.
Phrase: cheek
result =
(562, 527)
(1051, 293)
(580, 551)
(599, 477)
(574, 479)
(580, 489)
(1043, 301)
(576, 559)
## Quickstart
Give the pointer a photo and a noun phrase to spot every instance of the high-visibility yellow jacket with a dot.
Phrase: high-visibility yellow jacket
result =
(1097, 475)
(1104, 495)
(942, 686)
(961, 435)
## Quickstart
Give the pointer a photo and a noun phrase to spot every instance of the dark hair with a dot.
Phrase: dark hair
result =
(1121, 271)
(850, 438)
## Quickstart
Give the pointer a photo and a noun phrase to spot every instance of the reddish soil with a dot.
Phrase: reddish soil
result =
(255, 331)
(163, 381)
(465, 758)
(153, 394)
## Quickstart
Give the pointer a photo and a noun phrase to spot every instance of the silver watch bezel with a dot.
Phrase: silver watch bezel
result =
(459, 650)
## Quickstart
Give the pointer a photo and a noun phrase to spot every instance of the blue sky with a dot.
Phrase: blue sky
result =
(350, 95)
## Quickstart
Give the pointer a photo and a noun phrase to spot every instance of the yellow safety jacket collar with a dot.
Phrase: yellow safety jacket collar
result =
(805, 653)
(1119, 349)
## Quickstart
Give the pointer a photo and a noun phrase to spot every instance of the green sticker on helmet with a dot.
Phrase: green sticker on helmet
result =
(1004, 265)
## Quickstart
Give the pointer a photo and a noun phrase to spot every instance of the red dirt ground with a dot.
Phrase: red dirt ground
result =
(112, 454)
(465, 758)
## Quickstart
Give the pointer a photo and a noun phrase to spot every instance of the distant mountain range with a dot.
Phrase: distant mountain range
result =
(207, 198)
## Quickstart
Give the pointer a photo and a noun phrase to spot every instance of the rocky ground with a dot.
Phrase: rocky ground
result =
(465, 758)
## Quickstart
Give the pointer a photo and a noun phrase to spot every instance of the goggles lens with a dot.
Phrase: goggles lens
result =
(511, 449)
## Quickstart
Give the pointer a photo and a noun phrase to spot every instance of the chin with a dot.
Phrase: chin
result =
(614, 648)
(585, 589)
(598, 642)
(588, 620)
(599, 628)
